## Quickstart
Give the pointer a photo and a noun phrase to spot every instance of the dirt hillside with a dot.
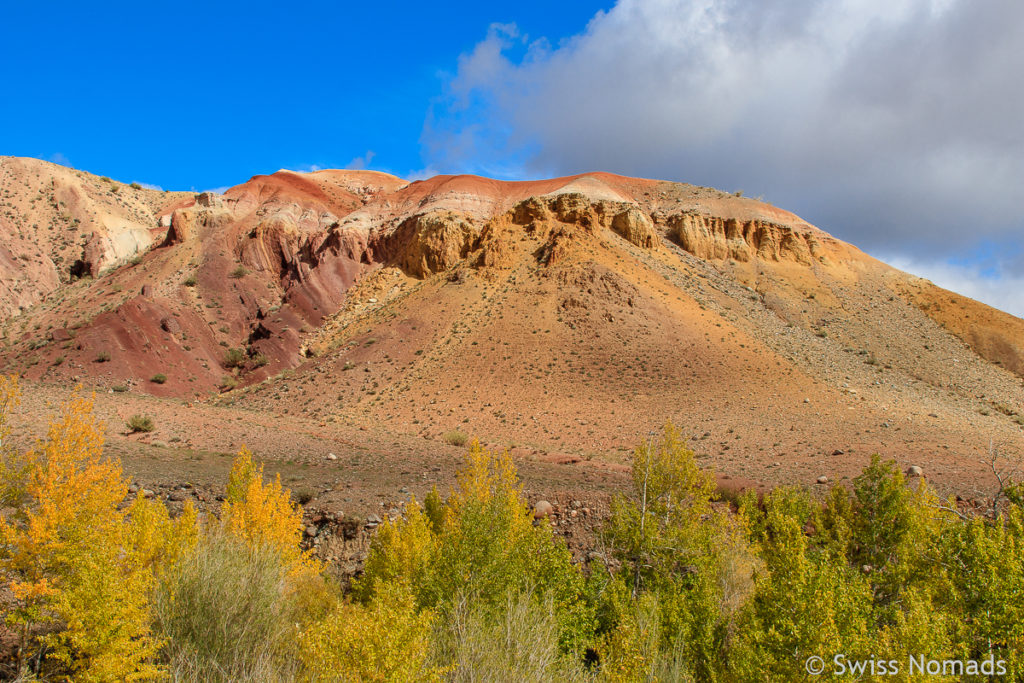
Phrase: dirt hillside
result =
(565, 318)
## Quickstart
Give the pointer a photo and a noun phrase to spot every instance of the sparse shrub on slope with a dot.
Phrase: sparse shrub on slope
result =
(456, 438)
(140, 423)
(234, 358)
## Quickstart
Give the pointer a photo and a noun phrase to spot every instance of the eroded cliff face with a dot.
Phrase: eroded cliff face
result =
(430, 243)
(715, 237)
(58, 225)
(281, 266)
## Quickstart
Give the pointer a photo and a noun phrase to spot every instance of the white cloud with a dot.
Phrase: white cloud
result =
(60, 159)
(421, 174)
(149, 186)
(305, 168)
(894, 124)
(999, 289)
(361, 163)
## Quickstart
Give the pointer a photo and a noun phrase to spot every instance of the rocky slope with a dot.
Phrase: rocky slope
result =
(567, 317)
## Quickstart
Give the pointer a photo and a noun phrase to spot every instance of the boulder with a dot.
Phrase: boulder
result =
(170, 325)
(542, 509)
(183, 226)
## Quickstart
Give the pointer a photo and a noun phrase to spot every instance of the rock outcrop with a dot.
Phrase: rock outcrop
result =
(715, 237)
(431, 242)
(636, 227)
(187, 223)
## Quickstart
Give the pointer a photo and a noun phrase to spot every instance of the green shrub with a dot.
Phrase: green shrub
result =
(159, 378)
(239, 272)
(234, 358)
(140, 423)
(190, 281)
(456, 438)
(226, 615)
(102, 356)
(520, 641)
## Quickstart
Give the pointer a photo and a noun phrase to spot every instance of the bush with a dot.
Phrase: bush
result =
(159, 378)
(239, 272)
(225, 616)
(102, 356)
(191, 281)
(234, 358)
(140, 423)
(487, 545)
(456, 438)
(520, 641)
(386, 640)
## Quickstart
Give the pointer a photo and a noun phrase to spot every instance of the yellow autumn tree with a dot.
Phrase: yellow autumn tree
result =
(384, 640)
(262, 515)
(157, 542)
(68, 556)
(403, 549)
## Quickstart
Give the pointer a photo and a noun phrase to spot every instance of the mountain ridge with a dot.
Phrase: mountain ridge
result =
(520, 310)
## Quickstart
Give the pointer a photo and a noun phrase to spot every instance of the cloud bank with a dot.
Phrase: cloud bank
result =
(896, 125)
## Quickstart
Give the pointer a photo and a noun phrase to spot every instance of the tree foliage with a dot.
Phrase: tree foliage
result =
(70, 550)
(470, 587)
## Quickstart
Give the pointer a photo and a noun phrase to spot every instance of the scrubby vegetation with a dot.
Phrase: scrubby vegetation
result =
(234, 358)
(456, 438)
(469, 586)
(140, 423)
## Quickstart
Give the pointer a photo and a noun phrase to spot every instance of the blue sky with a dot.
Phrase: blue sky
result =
(897, 125)
(201, 95)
